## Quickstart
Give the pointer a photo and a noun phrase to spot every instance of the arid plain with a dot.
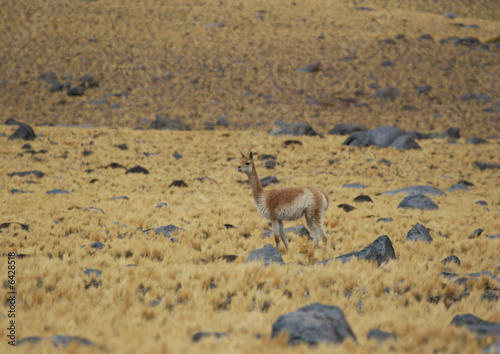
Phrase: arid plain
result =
(196, 61)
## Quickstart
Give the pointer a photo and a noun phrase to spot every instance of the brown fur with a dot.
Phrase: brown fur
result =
(286, 204)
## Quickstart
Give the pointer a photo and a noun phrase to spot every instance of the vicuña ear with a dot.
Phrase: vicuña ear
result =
(242, 155)
(251, 156)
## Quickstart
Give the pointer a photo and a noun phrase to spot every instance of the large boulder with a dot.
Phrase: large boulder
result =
(418, 189)
(23, 132)
(267, 254)
(380, 251)
(314, 324)
(475, 324)
(418, 201)
(384, 136)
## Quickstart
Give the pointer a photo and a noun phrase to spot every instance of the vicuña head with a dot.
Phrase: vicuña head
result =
(286, 204)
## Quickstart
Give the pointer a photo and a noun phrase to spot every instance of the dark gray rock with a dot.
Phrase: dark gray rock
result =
(475, 324)
(385, 220)
(57, 340)
(268, 157)
(491, 295)
(311, 68)
(88, 80)
(49, 77)
(295, 129)
(298, 230)
(470, 42)
(24, 131)
(166, 230)
(314, 324)
(99, 102)
(405, 142)
(266, 254)
(177, 156)
(419, 232)
(493, 348)
(451, 15)
(426, 37)
(178, 183)
(35, 173)
(270, 164)
(346, 207)
(418, 201)
(450, 259)
(476, 233)
(137, 169)
(457, 187)
(380, 336)
(115, 165)
(418, 189)
(24, 227)
(354, 185)
(347, 128)
(387, 64)
(423, 90)
(493, 237)
(57, 87)
(487, 166)
(286, 143)
(453, 132)
(120, 197)
(266, 181)
(57, 191)
(384, 136)
(222, 121)
(123, 146)
(199, 335)
(97, 245)
(476, 141)
(92, 272)
(363, 198)
(76, 91)
(170, 124)
(482, 202)
(380, 251)
(387, 93)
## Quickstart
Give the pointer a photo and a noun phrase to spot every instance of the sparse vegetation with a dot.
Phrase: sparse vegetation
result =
(161, 59)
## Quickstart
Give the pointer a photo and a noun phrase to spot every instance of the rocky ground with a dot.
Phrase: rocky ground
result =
(134, 232)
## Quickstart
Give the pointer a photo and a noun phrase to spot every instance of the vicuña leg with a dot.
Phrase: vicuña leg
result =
(313, 229)
(282, 234)
(276, 232)
(323, 235)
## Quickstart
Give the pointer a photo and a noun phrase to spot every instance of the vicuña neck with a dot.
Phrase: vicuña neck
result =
(255, 185)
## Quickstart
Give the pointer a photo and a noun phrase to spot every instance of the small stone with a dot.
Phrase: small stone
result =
(222, 121)
(363, 198)
(266, 181)
(487, 166)
(419, 232)
(160, 205)
(270, 164)
(77, 90)
(476, 233)
(482, 202)
(24, 131)
(346, 207)
(122, 146)
(178, 183)
(268, 254)
(35, 173)
(426, 37)
(387, 93)
(57, 191)
(311, 68)
(450, 259)
(385, 220)
(199, 335)
(451, 15)
(423, 90)
(453, 132)
(120, 197)
(387, 64)
(137, 169)
(354, 185)
(176, 155)
(476, 141)
(92, 272)
(380, 336)
(49, 77)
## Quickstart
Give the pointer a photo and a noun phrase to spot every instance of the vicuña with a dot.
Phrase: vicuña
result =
(287, 204)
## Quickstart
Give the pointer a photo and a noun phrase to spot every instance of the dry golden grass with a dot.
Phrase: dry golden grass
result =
(53, 298)
(170, 64)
